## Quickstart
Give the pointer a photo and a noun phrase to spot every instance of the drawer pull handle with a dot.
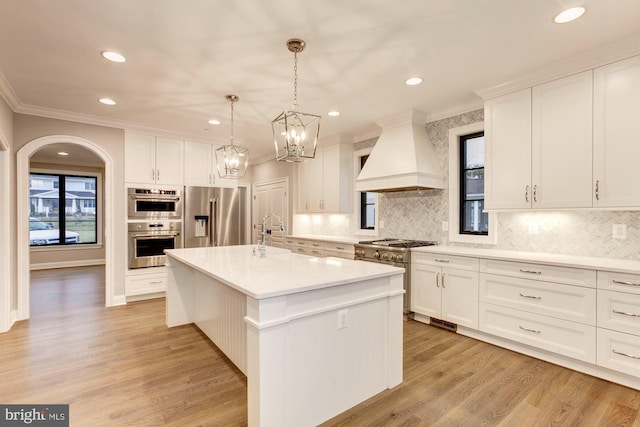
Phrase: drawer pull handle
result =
(530, 296)
(339, 248)
(530, 330)
(156, 282)
(442, 260)
(625, 354)
(622, 282)
(523, 270)
(625, 313)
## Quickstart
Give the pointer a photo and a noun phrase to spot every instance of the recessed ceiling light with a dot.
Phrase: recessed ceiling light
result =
(334, 113)
(569, 15)
(62, 153)
(214, 122)
(412, 81)
(113, 56)
(107, 101)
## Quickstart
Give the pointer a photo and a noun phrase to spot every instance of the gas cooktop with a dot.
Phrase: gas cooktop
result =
(398, 243)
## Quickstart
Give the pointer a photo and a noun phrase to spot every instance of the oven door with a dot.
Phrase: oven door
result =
(146, 248)
(143, 206)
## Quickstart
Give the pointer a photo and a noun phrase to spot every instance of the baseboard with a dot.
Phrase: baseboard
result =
(66, 264)
(118, 300)
(134, 298)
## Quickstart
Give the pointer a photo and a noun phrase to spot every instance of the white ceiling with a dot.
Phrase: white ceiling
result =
(184, 56)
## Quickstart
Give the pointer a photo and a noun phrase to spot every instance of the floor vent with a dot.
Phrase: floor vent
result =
(443, 324)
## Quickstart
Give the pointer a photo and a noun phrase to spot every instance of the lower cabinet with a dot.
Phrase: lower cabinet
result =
(143, 283)
(447, 293)
(319, 248)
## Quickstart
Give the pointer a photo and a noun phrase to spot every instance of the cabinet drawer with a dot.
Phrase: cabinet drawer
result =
(145, 284)
(449, 261)
(619, 351)
(570, 339)
(574, 303)
(619, 311)
(548, 273)
(619, 282)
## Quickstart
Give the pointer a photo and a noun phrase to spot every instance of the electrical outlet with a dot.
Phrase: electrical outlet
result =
(533, 228)
(619, 231)
(445, 226)
(343, 319)
(381, 224)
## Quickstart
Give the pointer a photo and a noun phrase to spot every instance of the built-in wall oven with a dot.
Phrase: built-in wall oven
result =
(149, 239)
(152, 203)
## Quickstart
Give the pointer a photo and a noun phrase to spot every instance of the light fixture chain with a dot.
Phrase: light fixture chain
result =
(295, 81)
(232, 122)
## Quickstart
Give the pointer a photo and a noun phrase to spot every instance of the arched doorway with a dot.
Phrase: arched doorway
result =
(22, 176)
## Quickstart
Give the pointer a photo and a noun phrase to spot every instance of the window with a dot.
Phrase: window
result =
(367, 205)
(472, 219)
(467, 221)
(62, 205)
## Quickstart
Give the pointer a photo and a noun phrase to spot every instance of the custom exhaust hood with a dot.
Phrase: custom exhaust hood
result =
(403, 158)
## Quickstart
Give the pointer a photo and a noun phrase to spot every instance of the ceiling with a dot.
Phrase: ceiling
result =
(184, 56)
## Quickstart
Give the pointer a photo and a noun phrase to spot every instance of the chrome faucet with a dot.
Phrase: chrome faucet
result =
(262, 246)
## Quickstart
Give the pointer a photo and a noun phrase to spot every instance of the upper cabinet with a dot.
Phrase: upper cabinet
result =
(201, 167)
(539, 146)
(325, 184)
(153, 160)
(616, 151)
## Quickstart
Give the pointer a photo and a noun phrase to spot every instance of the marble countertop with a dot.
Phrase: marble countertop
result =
(322, 238)
(281, 272)
(591, 263)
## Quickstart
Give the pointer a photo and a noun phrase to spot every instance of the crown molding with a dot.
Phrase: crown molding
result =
(445, 114)
(603, 55)
(7, 93)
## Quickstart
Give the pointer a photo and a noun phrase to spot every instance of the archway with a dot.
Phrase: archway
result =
(22, 221)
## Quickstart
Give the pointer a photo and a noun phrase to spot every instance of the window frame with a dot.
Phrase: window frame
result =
(99, 209)
(455, 188)
(462, 171)
(357, 204)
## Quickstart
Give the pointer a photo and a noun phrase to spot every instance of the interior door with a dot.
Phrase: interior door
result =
(270, 197)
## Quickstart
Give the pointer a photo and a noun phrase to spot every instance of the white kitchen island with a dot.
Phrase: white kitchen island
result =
(314, 336)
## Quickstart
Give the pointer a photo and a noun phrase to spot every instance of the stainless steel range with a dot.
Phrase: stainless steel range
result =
(396, 252)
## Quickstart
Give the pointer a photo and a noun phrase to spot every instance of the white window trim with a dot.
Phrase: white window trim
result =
(454, 188)
(356, 200)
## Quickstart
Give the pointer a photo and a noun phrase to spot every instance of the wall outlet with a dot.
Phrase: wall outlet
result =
(534, 228)
(381, 224)
(619, 231)
(343, 318)
(445, 225)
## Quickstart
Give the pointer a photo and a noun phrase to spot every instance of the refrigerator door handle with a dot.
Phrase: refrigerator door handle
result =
(213, 206)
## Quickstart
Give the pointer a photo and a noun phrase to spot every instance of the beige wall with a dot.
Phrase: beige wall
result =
(28, 128)
(8, 298)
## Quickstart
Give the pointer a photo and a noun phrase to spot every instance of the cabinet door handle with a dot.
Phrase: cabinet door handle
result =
(624, 313)
(443, 275)
(442, 260)
(153, 174)
(535, 194)
(597, 189)
(530, 271)
(625, 354)
(526, 194)
(158, 174)
(530, 330)
(529, 296)
(437, 279)
(622, 282)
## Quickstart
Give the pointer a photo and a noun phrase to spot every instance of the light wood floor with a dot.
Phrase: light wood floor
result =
(123, 367)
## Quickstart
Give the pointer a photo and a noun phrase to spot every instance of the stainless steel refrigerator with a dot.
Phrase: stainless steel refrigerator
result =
(215, 217)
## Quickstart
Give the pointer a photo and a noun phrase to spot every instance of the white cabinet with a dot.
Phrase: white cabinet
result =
(619, 322)
(325, 183)
(616, 151)
(153, 160)
(539, 146)
(445, 287)
(201, 166)
(508, 151)
(561, 160)
(141, 282)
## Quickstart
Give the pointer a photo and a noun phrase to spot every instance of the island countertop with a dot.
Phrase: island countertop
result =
(281, 272)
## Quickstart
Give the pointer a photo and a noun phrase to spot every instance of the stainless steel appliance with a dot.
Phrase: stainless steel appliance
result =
(215, 217)
(149, 239)
(148, 203)
(396, 252)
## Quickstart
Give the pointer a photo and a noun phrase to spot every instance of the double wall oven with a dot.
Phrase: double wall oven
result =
(155, 225)
(395, 252)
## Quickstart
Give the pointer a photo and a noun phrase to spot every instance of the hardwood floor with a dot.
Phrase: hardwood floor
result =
(122, 366)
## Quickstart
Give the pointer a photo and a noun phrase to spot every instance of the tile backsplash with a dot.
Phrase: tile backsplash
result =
(419, 215)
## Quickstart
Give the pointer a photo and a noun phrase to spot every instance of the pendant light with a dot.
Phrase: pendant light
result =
(232, 159)
(295, 134)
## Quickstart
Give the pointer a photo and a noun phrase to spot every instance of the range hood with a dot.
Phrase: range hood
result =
(403, 158)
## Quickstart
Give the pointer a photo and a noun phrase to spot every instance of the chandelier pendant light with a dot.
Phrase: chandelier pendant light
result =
(295, 134)
(231, 159)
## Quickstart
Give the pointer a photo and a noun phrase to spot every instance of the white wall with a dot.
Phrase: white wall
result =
(7, 264)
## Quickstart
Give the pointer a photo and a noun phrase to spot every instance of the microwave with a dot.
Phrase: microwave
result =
(147, 203)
